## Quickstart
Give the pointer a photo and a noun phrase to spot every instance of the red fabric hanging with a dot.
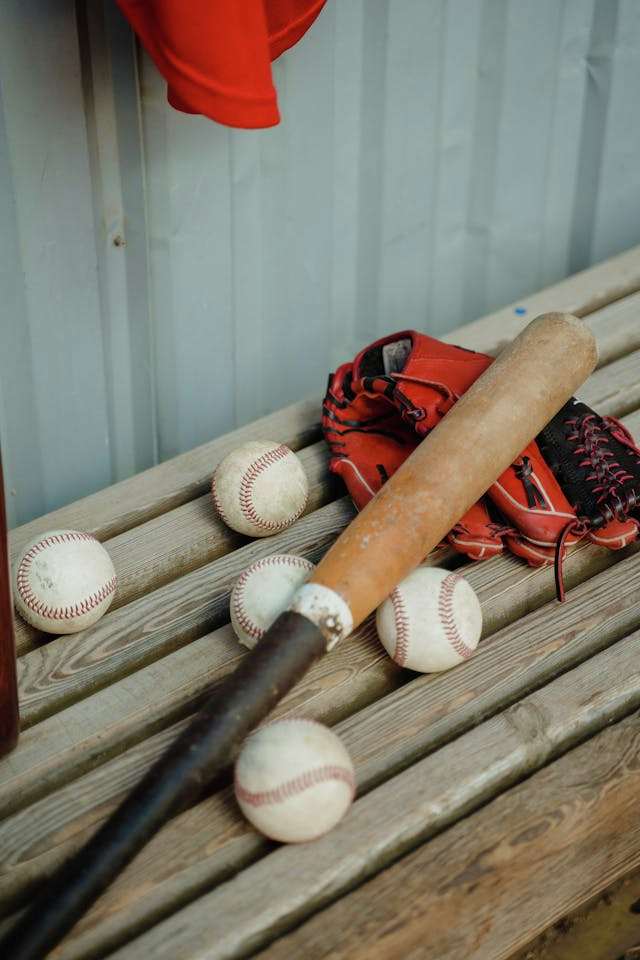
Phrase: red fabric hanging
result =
(216, 54)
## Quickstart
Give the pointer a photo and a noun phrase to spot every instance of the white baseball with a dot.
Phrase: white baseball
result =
(294, 780)
(263, 591)
(260, 488)
(431, 622)
(64, 581)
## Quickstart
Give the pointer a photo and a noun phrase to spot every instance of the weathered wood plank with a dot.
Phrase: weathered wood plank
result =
(581, 294)
(485, 886)
(606, 928)
(614, 389)
(73, 739)
(151, 554)
(238, 917)
(98, 707)
(383, 739)
(69, 667)
(616, 328)
(163, 487)
(186, 537)
(177, 679)
(174, 482)
(192, 535)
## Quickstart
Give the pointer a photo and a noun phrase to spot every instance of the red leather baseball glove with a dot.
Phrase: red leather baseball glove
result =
(578, 478)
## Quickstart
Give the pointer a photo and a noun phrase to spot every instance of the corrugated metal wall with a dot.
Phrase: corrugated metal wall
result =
(165, 278)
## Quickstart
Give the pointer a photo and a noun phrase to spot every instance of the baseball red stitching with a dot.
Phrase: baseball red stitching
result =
(401, 621)
(248, 625)
(447, 615)
(246, 490)
(217, 502)
(297, 785)
(38, 606)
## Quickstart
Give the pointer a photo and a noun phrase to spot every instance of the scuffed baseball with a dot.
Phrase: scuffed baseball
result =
(260, 488)
(431, 622)
(63, 581)
(263, 591)
(294, 780)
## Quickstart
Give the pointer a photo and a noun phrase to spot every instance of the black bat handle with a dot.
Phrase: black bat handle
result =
(204, 748)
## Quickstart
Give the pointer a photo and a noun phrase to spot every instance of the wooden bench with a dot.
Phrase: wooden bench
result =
(493, 800)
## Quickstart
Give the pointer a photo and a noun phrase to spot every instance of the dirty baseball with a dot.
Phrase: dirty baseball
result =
(294, 780)
(431, 621)
(263, 591)
(260, 488)
(64, 581)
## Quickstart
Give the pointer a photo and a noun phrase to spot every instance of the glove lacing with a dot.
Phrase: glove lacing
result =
(607, 481)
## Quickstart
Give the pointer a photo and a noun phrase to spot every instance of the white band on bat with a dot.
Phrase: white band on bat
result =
(326, 609)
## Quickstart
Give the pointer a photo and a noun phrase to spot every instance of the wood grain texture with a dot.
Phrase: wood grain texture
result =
(236, 918)
(583, 293)
(606, 928)
(100, 707)
(494, 880)
(172, 483)
(384, 738)
(179, 540)
(68, 667)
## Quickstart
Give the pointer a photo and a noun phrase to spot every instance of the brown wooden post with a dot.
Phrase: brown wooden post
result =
(9, 720)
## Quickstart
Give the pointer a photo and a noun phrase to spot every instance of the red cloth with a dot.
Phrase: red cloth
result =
(216, 54)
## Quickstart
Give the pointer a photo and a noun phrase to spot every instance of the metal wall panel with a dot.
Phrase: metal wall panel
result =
(166, 278)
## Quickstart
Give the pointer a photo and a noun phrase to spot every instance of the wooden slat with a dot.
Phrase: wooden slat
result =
(164, 548)
(181, 539)
(383, 738)
(169, 484)
(616, 328)
(45, 746)
(192, 535)
(582, 293)
(236, 918)
(494, 880)
(150, 493)
(607, 928)
(614, 389)
(68, 667)
(100, 706)
(127, 710)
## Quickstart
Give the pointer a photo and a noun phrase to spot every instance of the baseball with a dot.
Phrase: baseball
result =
(294, 780)
(63, 582)
(260, 488)
(263, 591)
(431, 622)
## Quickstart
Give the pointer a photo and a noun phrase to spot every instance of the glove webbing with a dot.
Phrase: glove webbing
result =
(598, 466)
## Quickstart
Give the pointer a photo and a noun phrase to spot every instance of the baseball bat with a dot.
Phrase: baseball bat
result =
(451, 468)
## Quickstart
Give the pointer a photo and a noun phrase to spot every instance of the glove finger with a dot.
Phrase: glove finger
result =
(366, 435)
(616, 534)
(476, 535)
(530, 497)
(535, 554)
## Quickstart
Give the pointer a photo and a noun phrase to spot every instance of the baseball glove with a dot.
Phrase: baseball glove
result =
(579, 478)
